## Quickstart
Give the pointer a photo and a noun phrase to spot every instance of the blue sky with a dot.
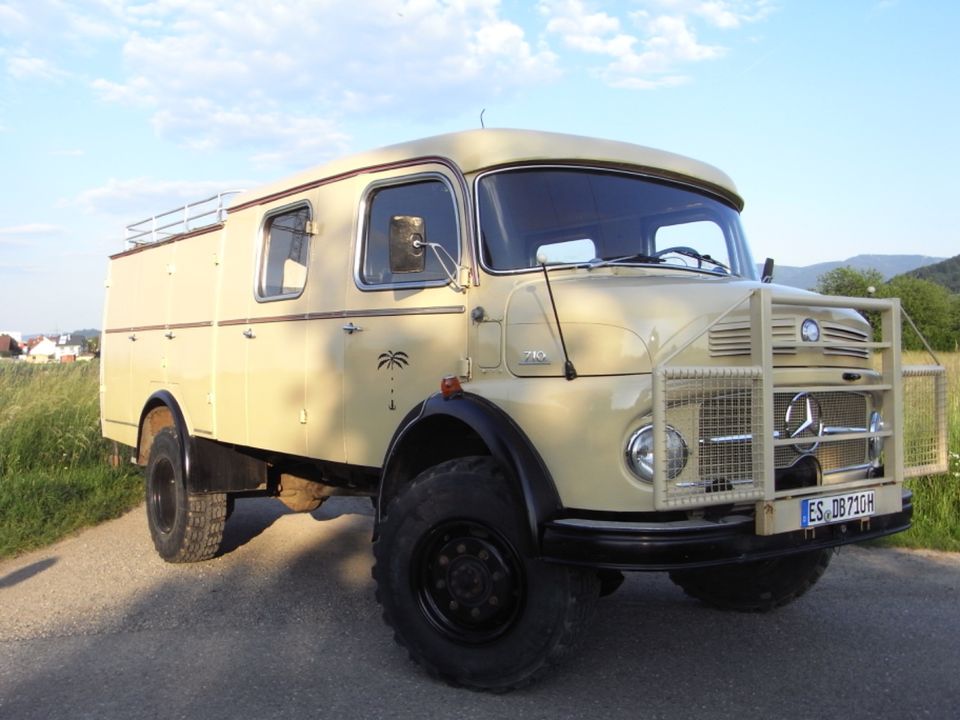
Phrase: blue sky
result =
(837, 120)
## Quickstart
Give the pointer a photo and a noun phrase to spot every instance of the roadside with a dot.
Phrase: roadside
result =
(284, 625)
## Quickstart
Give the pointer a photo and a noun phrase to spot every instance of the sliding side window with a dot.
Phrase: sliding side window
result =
(285, 253)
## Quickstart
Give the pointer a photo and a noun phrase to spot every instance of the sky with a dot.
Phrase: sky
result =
(838, 121)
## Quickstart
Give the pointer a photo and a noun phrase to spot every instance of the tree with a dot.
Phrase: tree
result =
(849, 281)
(932, 308)
(929, 306)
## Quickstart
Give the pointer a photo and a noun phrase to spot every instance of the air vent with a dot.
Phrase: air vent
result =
(851, 339)
(732, 339)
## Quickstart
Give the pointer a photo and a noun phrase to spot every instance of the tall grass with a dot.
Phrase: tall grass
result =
(936, 499)
(54, 475)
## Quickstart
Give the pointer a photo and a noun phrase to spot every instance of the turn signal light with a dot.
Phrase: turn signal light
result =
(450, 387)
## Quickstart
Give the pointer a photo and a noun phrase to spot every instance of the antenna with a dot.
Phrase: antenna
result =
(569, 371)
(481, 118)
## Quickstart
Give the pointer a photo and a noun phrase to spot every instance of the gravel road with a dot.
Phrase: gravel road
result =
(284, 625)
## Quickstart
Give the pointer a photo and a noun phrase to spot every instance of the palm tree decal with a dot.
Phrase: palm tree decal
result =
(392, 360)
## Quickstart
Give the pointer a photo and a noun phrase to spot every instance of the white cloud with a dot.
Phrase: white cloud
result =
(12, 20)
(18, 269)
(32, 229)
(23, 67)
(137, 198)
(21, 236)
(284, 79)
(136, 92)
(651, 46)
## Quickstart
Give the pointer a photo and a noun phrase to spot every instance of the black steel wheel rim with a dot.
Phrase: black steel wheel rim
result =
(163, 495)
(468, 581)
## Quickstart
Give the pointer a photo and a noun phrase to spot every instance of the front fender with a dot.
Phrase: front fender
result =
(441, 429)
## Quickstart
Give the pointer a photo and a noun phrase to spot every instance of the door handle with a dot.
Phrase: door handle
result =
(350, 328)
(249, 333)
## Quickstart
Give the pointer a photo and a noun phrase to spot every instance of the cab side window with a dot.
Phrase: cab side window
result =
(285, 253)
(432, 200)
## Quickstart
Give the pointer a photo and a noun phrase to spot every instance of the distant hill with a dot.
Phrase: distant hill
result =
(888, 265)
(85, 333)
(946, 273)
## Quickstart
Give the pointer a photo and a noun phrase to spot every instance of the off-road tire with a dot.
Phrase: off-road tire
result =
(456, 537)
(185, 527)
(758, 586)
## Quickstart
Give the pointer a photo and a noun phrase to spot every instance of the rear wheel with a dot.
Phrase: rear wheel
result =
(458, 585)
(757, 586)
(185, 527)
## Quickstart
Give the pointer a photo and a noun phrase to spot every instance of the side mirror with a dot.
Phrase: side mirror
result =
(766, 276)
(408, 236)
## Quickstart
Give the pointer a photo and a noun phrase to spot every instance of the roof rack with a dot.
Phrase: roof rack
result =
(180, 220)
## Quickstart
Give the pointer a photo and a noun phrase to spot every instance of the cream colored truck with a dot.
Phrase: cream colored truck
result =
(549, 358)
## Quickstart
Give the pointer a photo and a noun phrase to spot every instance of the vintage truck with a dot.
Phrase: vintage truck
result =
(548, 359)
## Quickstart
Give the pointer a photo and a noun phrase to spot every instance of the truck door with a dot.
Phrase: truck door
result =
(403, 332)
(277, 331)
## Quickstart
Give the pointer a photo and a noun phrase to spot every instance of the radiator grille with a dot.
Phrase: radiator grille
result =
(840, 411)
(726, 434)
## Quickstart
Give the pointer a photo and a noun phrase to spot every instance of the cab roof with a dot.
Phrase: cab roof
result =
(475, 150)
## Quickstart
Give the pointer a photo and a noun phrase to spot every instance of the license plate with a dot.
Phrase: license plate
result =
(837, 508)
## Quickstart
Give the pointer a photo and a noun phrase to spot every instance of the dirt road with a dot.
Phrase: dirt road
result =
(284, 625)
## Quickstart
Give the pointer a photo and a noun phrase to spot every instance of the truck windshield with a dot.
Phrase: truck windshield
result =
(595, 217)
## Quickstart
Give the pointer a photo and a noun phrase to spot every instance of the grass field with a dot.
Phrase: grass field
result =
(936, 501)
(54, 477)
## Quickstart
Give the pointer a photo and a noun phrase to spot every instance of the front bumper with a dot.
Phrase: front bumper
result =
(674, 545)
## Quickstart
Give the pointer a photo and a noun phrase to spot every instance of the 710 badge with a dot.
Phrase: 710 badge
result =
(837, 508)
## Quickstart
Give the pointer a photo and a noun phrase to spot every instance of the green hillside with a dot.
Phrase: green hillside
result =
(946, 273)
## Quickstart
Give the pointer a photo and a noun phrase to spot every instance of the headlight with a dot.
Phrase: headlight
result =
(810, 330)
(640, 453)
(875, 444)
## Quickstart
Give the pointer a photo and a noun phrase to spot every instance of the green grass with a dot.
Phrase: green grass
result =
(936, 499)
(54, 474)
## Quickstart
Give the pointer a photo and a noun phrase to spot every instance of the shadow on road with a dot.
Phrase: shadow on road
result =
(18, 576)
(294, 632)
(251, 517)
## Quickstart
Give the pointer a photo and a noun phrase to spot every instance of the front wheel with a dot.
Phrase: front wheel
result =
(757, 586)
(185, 527)
(459, 587)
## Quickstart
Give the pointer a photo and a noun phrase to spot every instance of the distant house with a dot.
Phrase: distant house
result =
(41, 349)
(16, 335)
(68, 348)
(9, 346)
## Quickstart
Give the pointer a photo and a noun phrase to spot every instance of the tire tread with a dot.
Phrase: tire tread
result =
(582, 588)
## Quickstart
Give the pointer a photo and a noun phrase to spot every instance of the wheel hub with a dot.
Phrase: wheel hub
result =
(163, 496)
(470, 582)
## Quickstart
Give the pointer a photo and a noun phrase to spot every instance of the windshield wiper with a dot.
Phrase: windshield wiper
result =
(692, 254)
(635, 258)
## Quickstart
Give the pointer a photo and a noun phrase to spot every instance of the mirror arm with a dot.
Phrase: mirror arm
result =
(452, 276)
